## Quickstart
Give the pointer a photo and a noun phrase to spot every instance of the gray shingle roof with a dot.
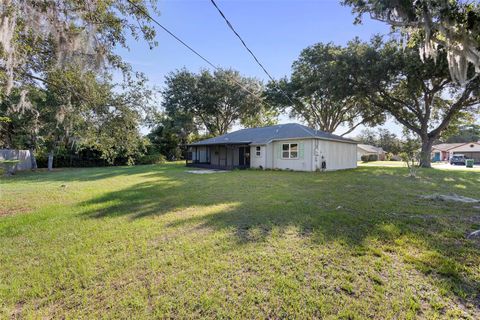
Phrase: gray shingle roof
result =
(265, 135)
(370, 148)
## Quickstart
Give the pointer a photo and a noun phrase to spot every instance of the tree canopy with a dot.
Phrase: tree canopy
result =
(215, 101)
(319, 92)
(438, 25)
(36, 37)
(94, 117)
(420, 95)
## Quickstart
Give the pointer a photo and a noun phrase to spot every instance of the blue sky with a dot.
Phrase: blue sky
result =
(276, 31)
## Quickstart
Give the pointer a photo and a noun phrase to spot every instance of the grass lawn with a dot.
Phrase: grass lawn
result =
(158, 242)
(382, 164)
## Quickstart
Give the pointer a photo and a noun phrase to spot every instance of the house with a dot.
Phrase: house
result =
(285, 146)
(444, 151)
(366, 149)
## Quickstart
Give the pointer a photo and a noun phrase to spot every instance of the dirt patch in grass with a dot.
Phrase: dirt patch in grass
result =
(13, 211)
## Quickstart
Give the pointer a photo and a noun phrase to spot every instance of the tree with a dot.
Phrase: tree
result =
(168, 139)
(450, 26)
(388, 141)
(318, 93)
(368, 136)
(466, 133)
(214, 101)
(38, 36)
(91, 116)
(66, 51)
(420, 95)
(383, 138)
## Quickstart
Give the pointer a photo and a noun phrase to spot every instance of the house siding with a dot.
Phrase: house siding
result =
(299, 164)
(466, 148)
(258, 162)
(337, 155)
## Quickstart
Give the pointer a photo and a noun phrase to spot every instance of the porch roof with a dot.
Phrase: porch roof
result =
(201, 143)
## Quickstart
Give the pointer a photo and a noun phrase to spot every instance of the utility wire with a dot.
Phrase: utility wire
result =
(229, 24)
(241, 40)
(187, 46)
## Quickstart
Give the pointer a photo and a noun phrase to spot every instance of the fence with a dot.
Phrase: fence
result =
(22, 155)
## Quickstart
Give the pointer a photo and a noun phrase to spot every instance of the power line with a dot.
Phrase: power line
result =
(187, 46)
(241, 40)
(229, 24)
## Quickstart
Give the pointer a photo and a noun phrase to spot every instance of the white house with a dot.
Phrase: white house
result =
(285, 146)
(366, 149)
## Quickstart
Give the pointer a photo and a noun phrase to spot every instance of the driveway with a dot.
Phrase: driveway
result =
(438, 165)
(447, 166)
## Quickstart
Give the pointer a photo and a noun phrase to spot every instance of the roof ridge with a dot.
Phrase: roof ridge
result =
(305, 128)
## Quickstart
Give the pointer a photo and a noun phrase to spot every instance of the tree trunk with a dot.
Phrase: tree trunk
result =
(50, 160)
(33, 160)
(426, 152)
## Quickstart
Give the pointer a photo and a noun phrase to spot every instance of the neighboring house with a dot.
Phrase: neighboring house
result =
(22, 155)
(444, 151)
(285, 146)
(366, 149)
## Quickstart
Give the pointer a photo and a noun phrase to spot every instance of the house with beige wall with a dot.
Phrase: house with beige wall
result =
(445, 151)
(289, 146)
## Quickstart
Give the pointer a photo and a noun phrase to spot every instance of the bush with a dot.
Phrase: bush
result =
(155, 158)
(369, 157)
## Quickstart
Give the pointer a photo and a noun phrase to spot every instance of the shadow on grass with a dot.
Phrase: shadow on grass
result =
(83, 174)
(347, 207)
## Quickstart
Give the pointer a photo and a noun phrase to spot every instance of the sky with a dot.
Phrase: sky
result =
(275, 30)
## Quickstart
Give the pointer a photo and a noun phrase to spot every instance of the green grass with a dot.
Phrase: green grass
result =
(158, 242)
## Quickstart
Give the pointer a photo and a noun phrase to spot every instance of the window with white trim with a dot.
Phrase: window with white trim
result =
(258, 152)
(290, 151)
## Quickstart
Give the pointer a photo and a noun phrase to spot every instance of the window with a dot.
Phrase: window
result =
(258, 152)
(290, 151)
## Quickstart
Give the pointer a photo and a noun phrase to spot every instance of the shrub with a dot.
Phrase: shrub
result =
(369, 157)
(155, 158)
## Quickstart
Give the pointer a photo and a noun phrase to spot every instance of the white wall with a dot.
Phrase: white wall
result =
(338, 155)
(466, 148)
(301, 164)
(257, 162)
